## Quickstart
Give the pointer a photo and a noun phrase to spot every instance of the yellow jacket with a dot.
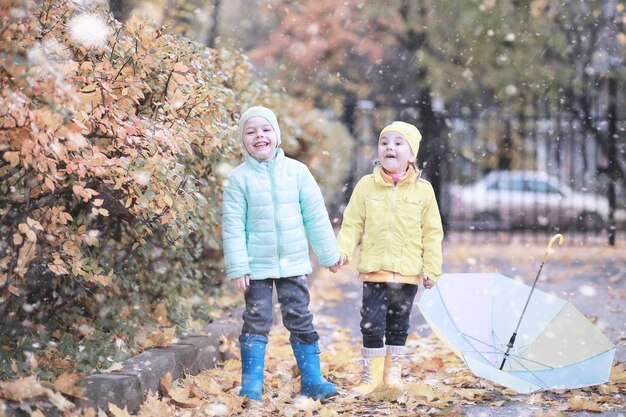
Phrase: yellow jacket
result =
(399, 225)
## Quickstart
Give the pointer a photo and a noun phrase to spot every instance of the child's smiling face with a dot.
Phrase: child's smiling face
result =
(394, 152)
(259, 138)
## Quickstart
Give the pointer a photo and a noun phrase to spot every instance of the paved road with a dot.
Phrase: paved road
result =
(592, 278)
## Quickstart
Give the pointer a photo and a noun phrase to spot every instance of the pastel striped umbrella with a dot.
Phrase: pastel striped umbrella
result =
(519, 337)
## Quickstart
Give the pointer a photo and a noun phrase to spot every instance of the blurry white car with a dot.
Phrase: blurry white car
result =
(526, 199)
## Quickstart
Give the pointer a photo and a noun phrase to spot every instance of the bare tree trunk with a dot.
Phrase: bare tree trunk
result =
(505, 149)
(213, 34)
(119, 8)
(612, 155)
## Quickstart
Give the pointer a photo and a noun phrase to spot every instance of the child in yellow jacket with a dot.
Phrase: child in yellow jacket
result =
(393, 212)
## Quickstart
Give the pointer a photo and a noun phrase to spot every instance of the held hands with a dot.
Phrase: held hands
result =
(338, 264)
(428, 283)
(241, 283)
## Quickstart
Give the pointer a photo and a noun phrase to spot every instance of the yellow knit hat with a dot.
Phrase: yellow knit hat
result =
(408, 132)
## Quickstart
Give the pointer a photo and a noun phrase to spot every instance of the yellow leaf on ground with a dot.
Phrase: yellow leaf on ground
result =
(153, 406)
(327, 412)
(166, 383)
(419, 389)
(471, 394)
(21, 389)
(14, 290)
(454, 412)
(385, 393)
(181, 398)
(118, 412)
(618, 374)
(608, 389)
(434, 364)
(159, 338)
(66, 384)
(582, 404)
(208, 385)
(232, 365)
(308, 405)
(227, 345)
(59, 401)
(116, 366)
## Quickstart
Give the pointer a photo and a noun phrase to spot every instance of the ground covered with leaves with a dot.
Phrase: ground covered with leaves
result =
(437, 381)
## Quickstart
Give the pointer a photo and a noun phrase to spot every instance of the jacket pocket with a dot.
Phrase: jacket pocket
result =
(376, 214)
(411, 259)
(410, 215)
(374, 199)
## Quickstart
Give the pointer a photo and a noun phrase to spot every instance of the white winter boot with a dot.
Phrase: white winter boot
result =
(392, 376)
(372, 374)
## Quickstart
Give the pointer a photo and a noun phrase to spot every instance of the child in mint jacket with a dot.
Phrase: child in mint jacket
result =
(271, 203)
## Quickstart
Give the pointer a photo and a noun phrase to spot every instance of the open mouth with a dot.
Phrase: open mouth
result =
(260, 145)
(390, 157)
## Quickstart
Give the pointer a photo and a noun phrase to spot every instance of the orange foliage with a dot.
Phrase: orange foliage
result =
(112, 162)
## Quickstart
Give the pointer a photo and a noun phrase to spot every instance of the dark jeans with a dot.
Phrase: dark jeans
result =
(385, 313)
(293, 296)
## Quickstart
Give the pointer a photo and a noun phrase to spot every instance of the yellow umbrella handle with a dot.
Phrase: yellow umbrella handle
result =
(555, 237)
(514, 335)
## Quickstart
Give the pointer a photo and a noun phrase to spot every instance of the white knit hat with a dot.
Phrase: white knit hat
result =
(263, 112)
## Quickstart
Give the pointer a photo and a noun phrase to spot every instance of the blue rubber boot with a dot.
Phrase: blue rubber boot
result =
(252, 365)
(313, 383)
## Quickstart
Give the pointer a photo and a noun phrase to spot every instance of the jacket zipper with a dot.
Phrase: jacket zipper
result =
(390, 231)
(270, 172)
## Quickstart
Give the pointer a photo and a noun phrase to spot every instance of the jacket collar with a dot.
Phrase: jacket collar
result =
(261, 166)
(382, 178)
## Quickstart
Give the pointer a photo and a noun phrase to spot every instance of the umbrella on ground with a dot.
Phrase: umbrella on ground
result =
(516, 336)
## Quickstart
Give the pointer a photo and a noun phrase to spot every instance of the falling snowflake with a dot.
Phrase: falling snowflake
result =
(90, 3)
(89, 30)
(142, 177)
(587, 290)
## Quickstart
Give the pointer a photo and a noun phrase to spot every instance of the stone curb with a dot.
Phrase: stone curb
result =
(128, 388)
(141, 374)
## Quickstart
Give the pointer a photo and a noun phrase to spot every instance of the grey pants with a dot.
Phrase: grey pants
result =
(293, 296)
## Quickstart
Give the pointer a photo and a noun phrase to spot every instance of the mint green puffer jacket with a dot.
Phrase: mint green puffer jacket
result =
(268, 209)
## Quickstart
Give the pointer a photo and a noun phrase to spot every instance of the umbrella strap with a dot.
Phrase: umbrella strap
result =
(509, 346)
(512, 340)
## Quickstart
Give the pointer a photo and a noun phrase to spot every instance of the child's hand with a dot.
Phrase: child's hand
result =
(338, 264)
(241, 283)
(428, 283)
